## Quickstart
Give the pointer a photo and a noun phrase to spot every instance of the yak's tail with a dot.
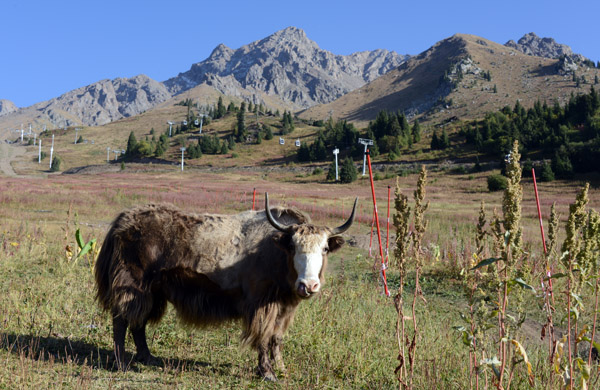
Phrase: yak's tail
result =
(107, 259)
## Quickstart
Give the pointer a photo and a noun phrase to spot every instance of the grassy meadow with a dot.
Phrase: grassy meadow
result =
(53, 335)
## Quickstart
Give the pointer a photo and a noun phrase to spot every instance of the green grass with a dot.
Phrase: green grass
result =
(53, 335)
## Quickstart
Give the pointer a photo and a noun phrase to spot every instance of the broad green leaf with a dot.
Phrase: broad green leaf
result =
(577, 299)
(86, 248)
(556, 276)
(485, 262)
(494, 363)
(522, 283)
(78, 238)
(575, 313)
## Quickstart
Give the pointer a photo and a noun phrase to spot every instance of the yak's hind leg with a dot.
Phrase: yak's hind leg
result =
(119, 333)
(143, 354)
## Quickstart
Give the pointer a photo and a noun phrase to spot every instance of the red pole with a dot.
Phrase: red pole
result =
(383, 266)
(253, 198)
(387, 240)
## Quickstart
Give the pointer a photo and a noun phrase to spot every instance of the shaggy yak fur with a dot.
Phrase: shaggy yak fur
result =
(212, 268)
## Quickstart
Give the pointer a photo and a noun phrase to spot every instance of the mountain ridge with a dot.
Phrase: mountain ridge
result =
(464, 77)
(289, 65)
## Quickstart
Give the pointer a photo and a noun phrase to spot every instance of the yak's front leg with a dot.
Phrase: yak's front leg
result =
(275, 347)
(264, 364)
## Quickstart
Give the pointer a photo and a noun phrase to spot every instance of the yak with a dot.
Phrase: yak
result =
(255, 267)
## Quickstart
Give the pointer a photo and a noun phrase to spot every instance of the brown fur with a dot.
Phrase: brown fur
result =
(212, 268)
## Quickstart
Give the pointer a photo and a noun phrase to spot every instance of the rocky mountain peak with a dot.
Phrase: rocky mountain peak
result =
(286, 64)
(7, 107)
(533, 45)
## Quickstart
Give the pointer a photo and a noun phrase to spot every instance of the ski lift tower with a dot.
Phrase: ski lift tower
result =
(182, 150)
(201, 120)
(366, 142)
(76, 131)
(51, 151)
(335, 152)
(170, 127)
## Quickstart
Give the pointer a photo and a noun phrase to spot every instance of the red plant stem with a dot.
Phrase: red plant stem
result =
(253, 197)
(569, 325)
(502, 317)
(385, 287)
(594, 324)
(537, 201)
(387, 240)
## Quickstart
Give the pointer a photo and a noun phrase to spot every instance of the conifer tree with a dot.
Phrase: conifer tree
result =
(131, 145)
(348, 173)
(435, 141)
(416, 131)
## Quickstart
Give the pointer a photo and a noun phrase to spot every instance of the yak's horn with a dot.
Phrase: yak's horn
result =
(272, 221)
(346, 226)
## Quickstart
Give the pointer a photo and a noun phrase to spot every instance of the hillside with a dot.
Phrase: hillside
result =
(449, 80)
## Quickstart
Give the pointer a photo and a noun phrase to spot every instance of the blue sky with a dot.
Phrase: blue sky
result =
(50, 47)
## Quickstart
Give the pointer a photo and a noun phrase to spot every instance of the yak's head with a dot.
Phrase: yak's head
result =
(308, 245)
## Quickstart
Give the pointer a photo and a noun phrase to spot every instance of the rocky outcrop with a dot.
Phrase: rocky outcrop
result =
(7, 107)
(104, 101)
(289, 65)
(533, 45)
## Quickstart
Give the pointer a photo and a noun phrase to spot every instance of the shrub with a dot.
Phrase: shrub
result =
(546, 173)
(496, 182)
(55, 164)
(348, 173)
(317, 171)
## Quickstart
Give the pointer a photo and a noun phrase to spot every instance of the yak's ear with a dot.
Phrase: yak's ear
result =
(283, 241)
(335, 243)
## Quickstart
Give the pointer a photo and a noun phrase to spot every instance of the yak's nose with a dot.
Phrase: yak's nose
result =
(305, 289)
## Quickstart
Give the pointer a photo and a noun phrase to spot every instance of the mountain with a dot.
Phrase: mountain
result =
(95, 104)
(284, 71)
(286, 65)
(7, 107)
(533, 45)
(463, 77)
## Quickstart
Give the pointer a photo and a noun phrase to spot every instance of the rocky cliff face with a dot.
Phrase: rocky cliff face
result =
(104, 101)
(289, 65)
(7, 107)
(533, 45)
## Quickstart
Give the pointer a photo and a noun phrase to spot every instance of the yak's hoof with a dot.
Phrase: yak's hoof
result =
(280, 366)
(147, 359)
(267, 375)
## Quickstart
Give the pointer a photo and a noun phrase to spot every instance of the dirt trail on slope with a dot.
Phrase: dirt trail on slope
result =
(7, 154)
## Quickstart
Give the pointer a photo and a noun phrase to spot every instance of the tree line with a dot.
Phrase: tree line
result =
(568, 135)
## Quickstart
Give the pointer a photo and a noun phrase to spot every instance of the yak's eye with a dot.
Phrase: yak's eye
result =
(325, 251)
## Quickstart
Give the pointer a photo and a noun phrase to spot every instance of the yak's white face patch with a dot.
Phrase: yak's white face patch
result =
(308, 259)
